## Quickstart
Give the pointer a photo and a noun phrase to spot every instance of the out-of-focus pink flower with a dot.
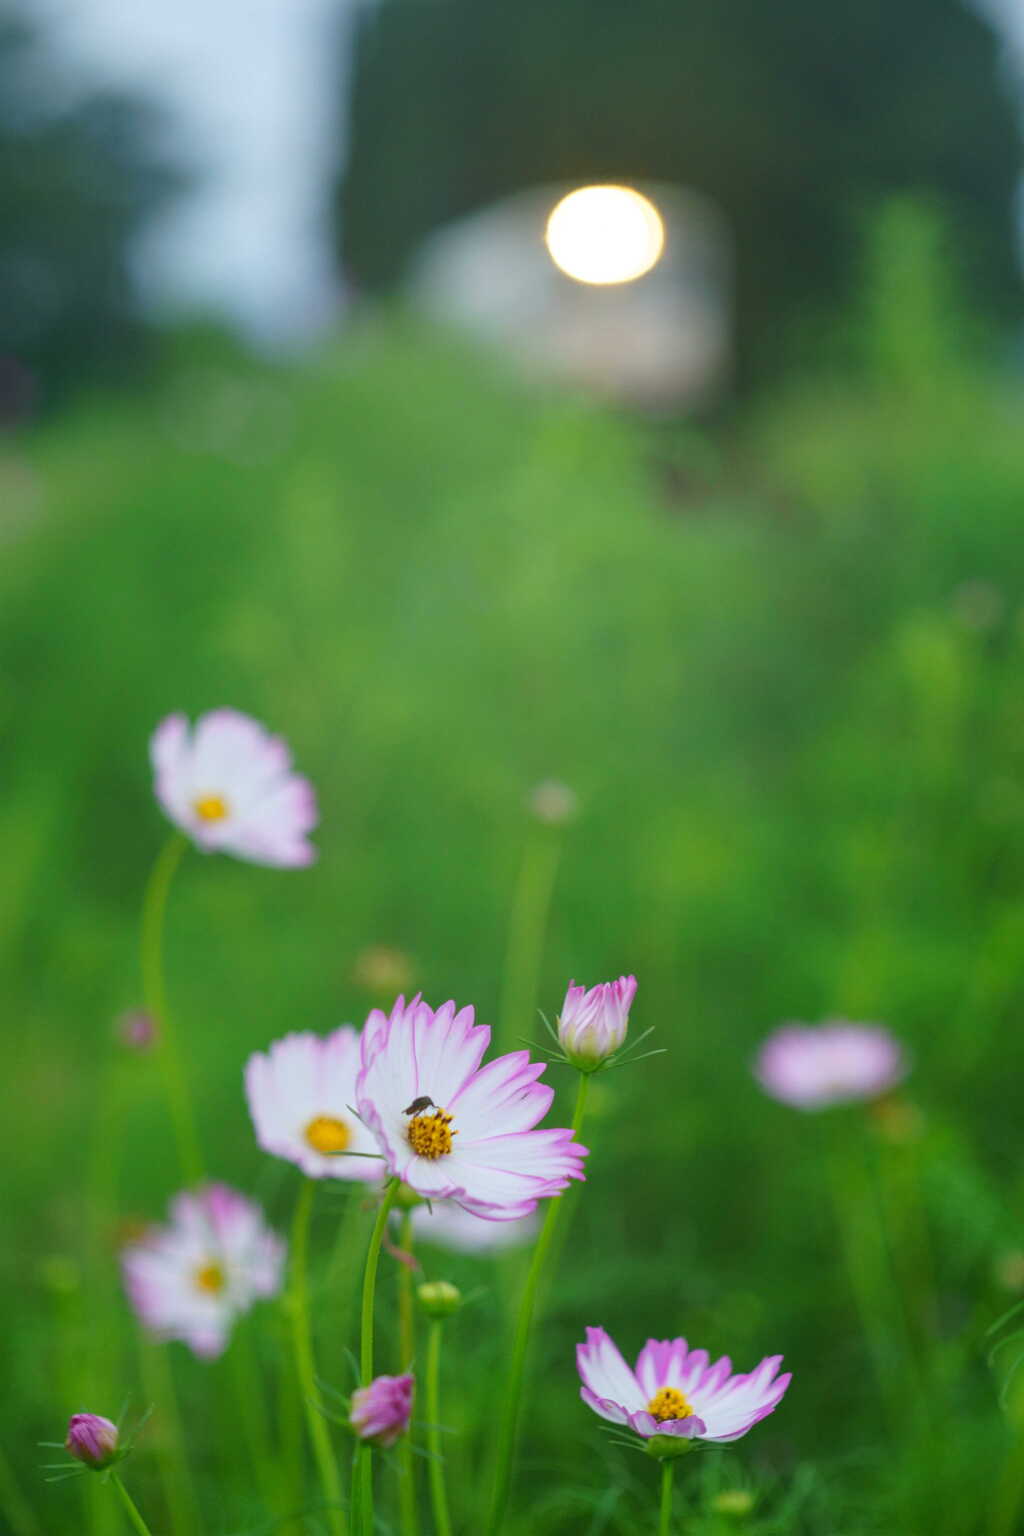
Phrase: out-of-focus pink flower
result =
(299, 1093)
(93, 1440)
(675, 1391)
(380, 1412)
(592, 1025)
(137, 1030)
(451, 1129)
(813, 1067)
(229, 784)
(190, 1279)
(447, 1225)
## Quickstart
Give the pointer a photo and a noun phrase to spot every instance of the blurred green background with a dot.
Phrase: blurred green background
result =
(776, 650)
(780, 662)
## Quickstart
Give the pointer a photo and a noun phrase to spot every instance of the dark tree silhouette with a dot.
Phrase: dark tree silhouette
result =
(795, 117)
(75, 188)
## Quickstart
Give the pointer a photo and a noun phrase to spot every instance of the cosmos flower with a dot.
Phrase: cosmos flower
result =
(380, 1412)
(230, 786)
(92, 1440)
(451, 1129)
(447, 1225)
(834, 1063)
(674, 1391)
(190, 1279)
(592, 1025)
(299, 1093)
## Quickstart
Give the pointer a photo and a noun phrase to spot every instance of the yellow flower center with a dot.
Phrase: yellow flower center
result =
(210, 1277)
(431, 1135)
(326, 1134)
(210, 807)
(667, 1403)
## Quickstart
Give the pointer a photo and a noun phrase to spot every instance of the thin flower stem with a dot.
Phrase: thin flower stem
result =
(409, 1521)
(508, 1431)
(438, 1491)
(252, 1414)
(154, 908)
(304, 1362)
(665, 1518)
(175, 1472)
(366, 1348)
(130, 1506)
(526, 933)
(1010, 1492)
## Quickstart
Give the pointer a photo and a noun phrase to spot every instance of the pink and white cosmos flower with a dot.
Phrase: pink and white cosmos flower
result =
(229, 784)
(675, 1391)
(191, 1279)
(300, 1092)
(451, 1129)
(380, 1412)
(835, 1063)
(592, 1025)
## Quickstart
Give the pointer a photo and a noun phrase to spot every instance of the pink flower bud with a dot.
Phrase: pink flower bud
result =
(92, 1440)
(592, 1025)
(380, 1412)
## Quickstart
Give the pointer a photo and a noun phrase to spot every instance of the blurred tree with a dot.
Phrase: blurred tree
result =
(794, 117)
(76, 183)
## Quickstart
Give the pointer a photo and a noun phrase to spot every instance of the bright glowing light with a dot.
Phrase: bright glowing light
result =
(605, 235)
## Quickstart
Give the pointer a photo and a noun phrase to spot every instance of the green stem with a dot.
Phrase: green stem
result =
(665, 1519)
(252, 1413)
(366, 1347)
(304, 1363)
(179, 1491)
(508, 1431)
(130, 1506)
(14, 1506)
(409, 1521)
(154, 908)
(527, 929)
(438, 1492)
(862, 1246)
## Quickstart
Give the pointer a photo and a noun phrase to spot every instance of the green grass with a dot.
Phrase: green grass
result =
(782, 664)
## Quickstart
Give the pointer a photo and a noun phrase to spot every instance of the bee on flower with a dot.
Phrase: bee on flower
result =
(229, 785)
(190, 1280)
(451, 1129)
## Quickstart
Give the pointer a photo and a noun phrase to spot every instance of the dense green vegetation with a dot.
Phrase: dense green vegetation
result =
(780, 662)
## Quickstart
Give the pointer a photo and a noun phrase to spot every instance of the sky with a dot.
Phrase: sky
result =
(253, 86)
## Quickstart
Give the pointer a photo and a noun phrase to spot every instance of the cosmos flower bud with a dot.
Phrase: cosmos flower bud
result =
(380, 1412)
(439, 1298)
(92, 1440)
(592, 1025)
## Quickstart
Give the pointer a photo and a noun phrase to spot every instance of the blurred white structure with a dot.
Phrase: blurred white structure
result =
(659, 340)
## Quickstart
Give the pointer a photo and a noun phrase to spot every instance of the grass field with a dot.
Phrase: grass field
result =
(780, 661)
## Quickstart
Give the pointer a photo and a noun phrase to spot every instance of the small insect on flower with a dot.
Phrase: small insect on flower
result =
(836, 1062)
(190, 1279)
(675, 1395)
(299, 1092)
(451, 1129)
(230, 785)
(380, 1413)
